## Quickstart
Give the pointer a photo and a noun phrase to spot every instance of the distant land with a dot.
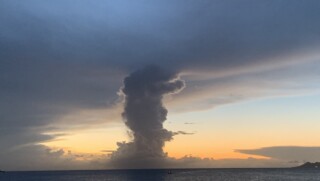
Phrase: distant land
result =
(309, 165)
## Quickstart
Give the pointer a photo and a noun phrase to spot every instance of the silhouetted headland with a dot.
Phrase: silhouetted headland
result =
(309, 165)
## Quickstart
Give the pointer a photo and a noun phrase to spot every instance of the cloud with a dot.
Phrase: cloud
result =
(60, 59)
(288, 153)
(197, 162)
(182, 133)
(144, 115)
(39, 157)
(211, 91)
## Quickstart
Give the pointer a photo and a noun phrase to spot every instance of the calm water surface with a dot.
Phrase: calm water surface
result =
(162, 175)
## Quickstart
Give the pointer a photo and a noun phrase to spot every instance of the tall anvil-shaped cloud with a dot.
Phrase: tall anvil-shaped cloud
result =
(144, 115)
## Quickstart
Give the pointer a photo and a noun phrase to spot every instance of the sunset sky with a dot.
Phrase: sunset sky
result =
(241, 82)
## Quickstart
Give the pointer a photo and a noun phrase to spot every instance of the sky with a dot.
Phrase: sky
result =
(157, 84)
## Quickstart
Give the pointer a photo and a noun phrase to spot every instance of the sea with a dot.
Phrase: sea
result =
(167, 175)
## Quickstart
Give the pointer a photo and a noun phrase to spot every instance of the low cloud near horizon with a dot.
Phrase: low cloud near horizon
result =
(298, 154)
(39, 156)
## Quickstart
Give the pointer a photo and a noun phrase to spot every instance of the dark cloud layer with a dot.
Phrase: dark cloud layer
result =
(288, 153)
(62, 56)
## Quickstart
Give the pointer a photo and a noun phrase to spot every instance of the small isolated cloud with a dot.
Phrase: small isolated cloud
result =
(107, 151)
(288, 153)
(183, 133)
(188, 123)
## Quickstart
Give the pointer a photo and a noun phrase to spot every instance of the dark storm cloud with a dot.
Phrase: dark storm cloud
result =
(144, 115)
(182, 34)
(60, 56)
(34, 97)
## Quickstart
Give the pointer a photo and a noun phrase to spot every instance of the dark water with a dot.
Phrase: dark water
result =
(162, 175)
